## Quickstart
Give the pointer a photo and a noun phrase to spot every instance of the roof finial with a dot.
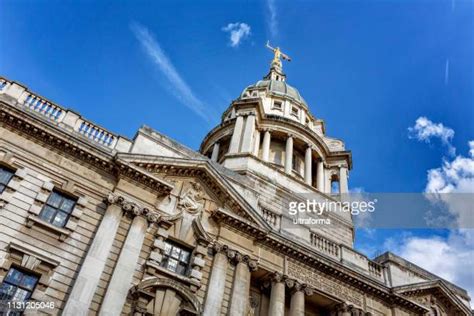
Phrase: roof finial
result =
(277, 55)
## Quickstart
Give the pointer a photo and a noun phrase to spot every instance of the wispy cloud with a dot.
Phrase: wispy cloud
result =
(446, 72)
(272, 19)
(238, 32)
(157, 55)
(424, 130)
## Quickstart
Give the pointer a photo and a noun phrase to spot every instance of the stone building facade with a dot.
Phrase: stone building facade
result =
(94, 223)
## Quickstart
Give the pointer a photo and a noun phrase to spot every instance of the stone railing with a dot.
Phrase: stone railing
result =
(271, 218)
(65, 118)
(325, 246)
(375, 269)
(43, 107)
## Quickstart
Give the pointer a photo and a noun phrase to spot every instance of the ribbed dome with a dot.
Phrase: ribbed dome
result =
(276, 87)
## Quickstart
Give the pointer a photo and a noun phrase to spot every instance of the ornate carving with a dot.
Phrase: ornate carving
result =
(192, 201)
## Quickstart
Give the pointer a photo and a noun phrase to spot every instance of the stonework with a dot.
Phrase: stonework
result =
(150, 227)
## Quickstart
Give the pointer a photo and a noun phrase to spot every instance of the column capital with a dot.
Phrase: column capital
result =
(290, 135)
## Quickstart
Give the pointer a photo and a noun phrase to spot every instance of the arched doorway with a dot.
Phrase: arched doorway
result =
(163, 297)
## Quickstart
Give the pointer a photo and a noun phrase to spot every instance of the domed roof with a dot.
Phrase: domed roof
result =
(277, 87)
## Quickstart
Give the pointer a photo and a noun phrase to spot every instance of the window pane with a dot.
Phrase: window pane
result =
(2, 187)
(184, 256)
(5, 175)
(54, 200)
(29, 282)
(47, 213)
(175, 252)
(13, 276)
(167, 248)
(60, 219)
(7, 291)
(67, 205)
(172, 264)
(21, 295)
(181, 269)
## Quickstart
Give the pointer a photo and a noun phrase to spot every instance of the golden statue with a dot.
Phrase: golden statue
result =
(278, 55)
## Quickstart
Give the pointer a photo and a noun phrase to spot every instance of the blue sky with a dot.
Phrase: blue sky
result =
(370, 69)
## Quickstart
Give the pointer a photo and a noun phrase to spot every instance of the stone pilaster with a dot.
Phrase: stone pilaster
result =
(308, 161)
(343, 185)
(247, 139)
(289, 154)
(94, 263)
(236, 136)
(122, 276)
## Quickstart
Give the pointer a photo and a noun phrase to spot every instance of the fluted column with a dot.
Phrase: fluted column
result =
(215, 152)
(215, 290)
(266, 145)
(94, 263)
(236, 136)
(320, 176)
(289, 154)
(277, 296)
(308, 166)
(122, 276)
(343, 186)
(240, 291)
(247, 139)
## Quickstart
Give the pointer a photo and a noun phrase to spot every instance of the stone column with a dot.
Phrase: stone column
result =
(289, 154)
(122, 276)
(247, 139)
(215, 152)
(235, 140)
(239, 301)
(94, 263)
(277, 296)
(256, 144)
(215, 290)
(266, 145)
(320, 176)
(343, 186)
(297, 302)
(308, 177)
(343, 310)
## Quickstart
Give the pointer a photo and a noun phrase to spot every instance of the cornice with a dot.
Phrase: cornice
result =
(98, 157)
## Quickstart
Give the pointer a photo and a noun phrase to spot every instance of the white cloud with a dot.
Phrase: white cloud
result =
(425, 130)
(452, 257)
(157, 55)
(272, 19)
(238, 32)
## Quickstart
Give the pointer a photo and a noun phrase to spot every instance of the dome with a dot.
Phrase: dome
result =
(277, 88)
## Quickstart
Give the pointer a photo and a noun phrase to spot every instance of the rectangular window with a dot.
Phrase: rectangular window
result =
(294, 111)
(5, 176)
(57, 209)
(277, 105)
(296, 163)
(176, 258)
(278, 158)
(17, 285)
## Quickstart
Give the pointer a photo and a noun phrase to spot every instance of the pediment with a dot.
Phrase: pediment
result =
(195, 179)
(436, 296)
